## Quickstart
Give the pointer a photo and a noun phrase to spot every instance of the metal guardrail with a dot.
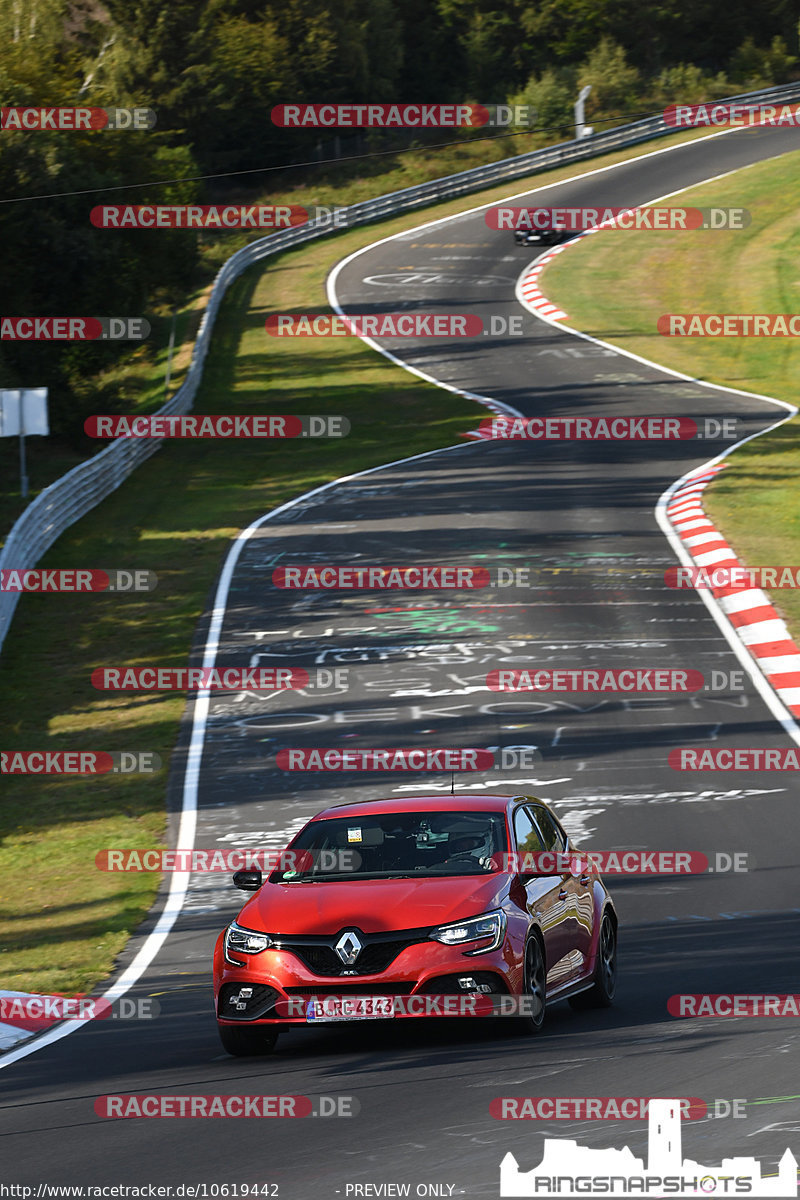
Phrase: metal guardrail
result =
(79, 491)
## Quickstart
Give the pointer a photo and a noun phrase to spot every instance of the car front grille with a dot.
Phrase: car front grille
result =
(378, 953)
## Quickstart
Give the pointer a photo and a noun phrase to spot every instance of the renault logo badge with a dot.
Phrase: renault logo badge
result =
(348, 948)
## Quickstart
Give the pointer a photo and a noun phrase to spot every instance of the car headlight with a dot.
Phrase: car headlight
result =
(491, 925)
(239, 940)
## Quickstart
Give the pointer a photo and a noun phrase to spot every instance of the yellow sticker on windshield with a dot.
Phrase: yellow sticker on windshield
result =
(354, 835)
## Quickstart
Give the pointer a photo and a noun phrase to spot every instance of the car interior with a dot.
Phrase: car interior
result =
(451, 843)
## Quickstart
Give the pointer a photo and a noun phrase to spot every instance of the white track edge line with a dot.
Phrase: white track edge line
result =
(188, 820)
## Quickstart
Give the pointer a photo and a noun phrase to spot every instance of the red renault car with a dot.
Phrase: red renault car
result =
(414, 907)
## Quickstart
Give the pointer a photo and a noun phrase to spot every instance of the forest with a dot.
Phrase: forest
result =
(212, 70)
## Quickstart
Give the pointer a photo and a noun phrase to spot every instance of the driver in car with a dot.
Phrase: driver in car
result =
(473, 844)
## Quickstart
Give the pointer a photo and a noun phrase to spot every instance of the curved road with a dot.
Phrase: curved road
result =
(580, 518)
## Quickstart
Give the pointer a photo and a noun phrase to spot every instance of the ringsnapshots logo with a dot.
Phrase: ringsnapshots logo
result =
(76, 120)
(570, 1170)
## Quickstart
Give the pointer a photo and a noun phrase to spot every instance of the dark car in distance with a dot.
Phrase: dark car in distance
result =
(548, 235)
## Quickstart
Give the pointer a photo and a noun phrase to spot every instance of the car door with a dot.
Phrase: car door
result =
(580, 922)
(548, 901)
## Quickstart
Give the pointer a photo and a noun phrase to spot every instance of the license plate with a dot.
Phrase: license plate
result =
(350, 1008)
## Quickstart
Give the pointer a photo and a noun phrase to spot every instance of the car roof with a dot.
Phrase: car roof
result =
(423, 803)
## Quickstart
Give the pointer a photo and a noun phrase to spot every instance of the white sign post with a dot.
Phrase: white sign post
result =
(23, 413)
(582, 130)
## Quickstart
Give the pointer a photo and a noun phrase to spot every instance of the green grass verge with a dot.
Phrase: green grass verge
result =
(62, 922)
(617, 283)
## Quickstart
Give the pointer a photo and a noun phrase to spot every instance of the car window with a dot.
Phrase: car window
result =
(395, 843)
(526, 835)
(552, 836)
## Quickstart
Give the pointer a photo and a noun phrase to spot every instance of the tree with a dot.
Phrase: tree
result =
(552, 95)
(615, 84)
(753, 67)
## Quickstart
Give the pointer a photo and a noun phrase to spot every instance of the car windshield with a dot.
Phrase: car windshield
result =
(395, 845)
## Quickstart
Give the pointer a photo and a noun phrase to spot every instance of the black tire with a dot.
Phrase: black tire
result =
(601, 993)
(244, 1043)
(534, 986)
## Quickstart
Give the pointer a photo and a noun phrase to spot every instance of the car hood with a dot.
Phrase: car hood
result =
(373, 906)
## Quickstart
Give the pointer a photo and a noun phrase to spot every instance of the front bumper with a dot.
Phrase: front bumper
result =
(280, 985)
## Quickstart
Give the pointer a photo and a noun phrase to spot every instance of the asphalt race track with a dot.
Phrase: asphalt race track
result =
(580, 516)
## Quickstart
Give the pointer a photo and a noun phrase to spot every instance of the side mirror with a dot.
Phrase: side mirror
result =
(541, 864)
(248, 881)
